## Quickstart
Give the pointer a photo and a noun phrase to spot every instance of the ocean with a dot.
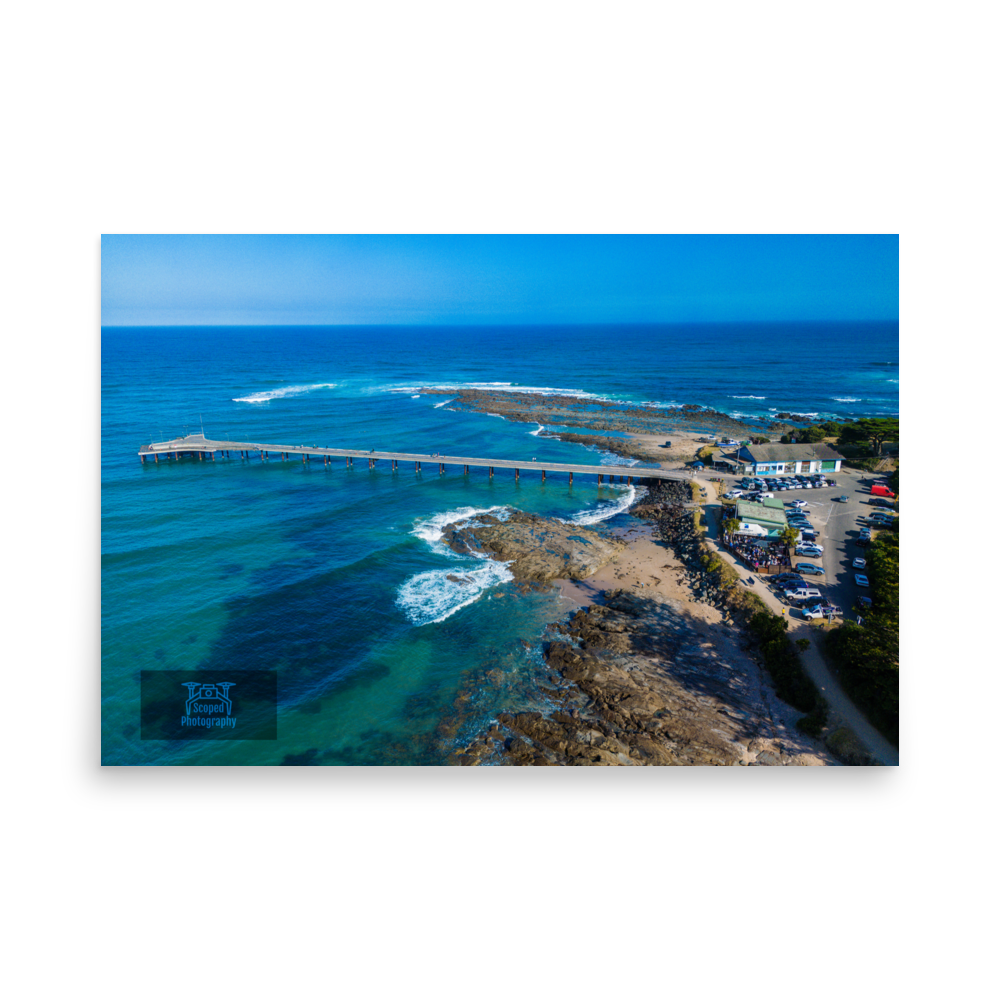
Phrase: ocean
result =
(389, 647)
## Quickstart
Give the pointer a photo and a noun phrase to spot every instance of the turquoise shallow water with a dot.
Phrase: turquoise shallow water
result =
(333, 576)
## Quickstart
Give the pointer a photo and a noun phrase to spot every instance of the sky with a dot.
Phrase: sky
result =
(287, 280)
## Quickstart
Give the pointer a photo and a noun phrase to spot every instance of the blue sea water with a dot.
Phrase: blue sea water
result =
(335, 576)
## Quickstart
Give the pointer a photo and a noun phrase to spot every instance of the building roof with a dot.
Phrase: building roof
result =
(791, 452)
(769, 512)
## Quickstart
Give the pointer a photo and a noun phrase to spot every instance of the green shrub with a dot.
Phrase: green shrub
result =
(782, 662)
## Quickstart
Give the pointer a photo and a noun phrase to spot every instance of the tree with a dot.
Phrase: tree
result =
(790, 535)
(872, 430)
(731, 525)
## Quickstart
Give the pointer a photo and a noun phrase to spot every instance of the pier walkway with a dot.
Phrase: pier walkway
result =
(204, 448)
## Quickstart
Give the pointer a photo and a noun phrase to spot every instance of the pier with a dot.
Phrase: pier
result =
(202, 448)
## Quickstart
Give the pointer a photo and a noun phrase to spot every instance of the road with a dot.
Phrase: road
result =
(838, 525)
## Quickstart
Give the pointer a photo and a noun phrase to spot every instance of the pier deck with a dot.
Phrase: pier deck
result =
(198, 444)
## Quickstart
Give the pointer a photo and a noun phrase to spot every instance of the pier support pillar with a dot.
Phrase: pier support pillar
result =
(517, 475)
(417, 464)
(303, 459)
(571, 479)
(599, 478)
(630, 480)
(201, 456)
(491, 472)
(466, 470)
(440, 468)
(543, 475)
(213, 456)
(142, 459)
(156, 459)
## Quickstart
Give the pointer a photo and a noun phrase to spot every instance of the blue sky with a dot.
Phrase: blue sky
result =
(178, 280)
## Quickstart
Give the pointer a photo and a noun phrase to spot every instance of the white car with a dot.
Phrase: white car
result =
(859, 563)
(859, 578)
(809, 549)
(797, 503)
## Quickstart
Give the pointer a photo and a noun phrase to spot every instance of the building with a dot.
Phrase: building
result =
(761, 519)
(760, 459)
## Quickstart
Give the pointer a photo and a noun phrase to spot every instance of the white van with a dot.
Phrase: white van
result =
(801, 594)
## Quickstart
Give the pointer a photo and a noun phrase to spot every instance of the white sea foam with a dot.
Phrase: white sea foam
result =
(846, 399)
(537, 431)
(431, 597)
(605, 510)
(431, 529)
(417, 396)
(748, 397)
(542, 390)
(437, 406)
(288, 390)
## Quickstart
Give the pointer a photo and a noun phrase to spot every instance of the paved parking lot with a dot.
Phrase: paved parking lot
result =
(838, 526)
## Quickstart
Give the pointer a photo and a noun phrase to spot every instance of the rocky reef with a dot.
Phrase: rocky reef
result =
(588, 414)
(535, 548)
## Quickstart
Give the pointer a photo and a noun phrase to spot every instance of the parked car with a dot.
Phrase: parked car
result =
(843, 499)
(796, 503)
(809, 549)
(859, 563)
(810, 568)
(859, 578)
(822, 611)
(783, 580)
(865, 602)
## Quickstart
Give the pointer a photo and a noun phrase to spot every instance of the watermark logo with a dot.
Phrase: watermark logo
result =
(206, 704)
(209, 704)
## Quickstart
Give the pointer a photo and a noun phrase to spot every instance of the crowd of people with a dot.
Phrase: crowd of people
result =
(762, 556)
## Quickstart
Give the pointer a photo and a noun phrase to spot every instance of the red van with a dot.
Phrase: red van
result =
(881, 490)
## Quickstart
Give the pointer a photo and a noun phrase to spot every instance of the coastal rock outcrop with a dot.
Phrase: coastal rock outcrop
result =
(536, 548)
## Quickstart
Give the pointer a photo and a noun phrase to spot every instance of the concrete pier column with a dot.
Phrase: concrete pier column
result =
(201, 456)
(630, 480)
(418, 466)
(466, 470)
(156, 459)
(599, 478)
(491, 472)
(142, 459)
(213, 456)
(571, 479)
(440, 468)
(543, 475)
(517, 475)
(303, 458)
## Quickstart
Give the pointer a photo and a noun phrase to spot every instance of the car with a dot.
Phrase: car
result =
(843, 499)
(831, 482)
(882, 502)
(822, 611)
(802, 525)
(809, 549)
(866, 535)
(859, 578)
(796, 503)
(865, 602)
(787, 578)
(859, 563)
(811, 568)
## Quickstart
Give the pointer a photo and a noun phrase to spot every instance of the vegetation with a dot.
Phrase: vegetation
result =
(781, 659)
(867, 655)
(873, 430)
(893, 480)
(789, 535)
(731, 525)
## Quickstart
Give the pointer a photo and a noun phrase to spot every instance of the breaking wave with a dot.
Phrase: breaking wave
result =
(288, 390)
(608, 509)
(431, 529)
(433, 596)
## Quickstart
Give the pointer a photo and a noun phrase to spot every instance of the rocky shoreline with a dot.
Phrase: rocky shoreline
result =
(638, 677)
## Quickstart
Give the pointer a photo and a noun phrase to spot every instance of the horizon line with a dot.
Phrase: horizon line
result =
(698, 322)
